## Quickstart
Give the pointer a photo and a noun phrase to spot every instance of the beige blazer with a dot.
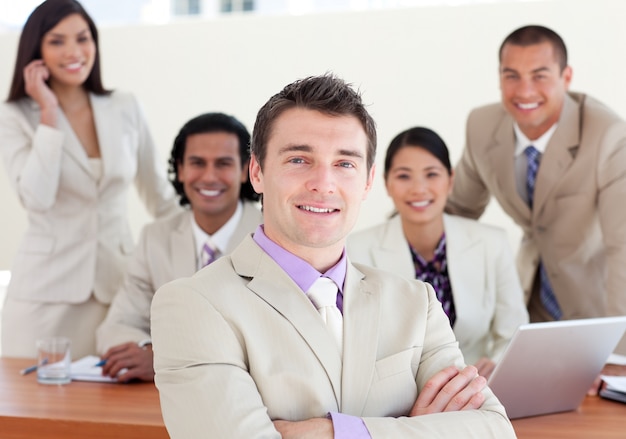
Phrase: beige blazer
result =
(578, 223)
(78, 234)
(166, 251)
(487, 294)
(239, 345)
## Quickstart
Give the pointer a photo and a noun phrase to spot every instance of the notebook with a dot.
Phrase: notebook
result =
(86, 369)
(549, 367)
(614, 388)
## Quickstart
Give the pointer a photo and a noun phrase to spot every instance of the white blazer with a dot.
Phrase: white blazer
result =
(78, 234)
(486, 289)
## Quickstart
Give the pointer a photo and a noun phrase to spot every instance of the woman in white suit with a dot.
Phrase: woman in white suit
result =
(72, 150)
(469, 264)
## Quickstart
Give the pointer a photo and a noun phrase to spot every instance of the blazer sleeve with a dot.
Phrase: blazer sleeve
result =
(470, 195)
(612, 215)
(215, 384)
(151, 181)
(440, 350)
(128, 318)
(32, 158)
(510, 311)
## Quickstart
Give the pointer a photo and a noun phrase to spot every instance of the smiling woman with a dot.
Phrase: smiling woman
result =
(71, 155)
(469, 264)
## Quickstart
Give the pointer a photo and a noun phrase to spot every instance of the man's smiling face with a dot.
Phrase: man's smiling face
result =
(533, 87)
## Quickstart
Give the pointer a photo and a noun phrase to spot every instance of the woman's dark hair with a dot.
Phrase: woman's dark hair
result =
(209, 123)
(45, 17)
(419, 137)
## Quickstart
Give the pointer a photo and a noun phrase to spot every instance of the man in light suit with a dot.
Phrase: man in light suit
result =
(572, 256)
(209, 170)
(240, 351)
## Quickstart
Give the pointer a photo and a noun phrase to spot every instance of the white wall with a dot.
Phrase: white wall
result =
(418, 66)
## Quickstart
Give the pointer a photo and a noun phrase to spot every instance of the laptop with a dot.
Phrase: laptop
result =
(549, 367)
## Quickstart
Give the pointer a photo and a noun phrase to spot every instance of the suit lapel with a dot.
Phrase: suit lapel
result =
(72, 145)
(465, 253)
(251, 217)
(105, 123)
(559, 154)
(501, 156)
(393, 253)
(279, 291)
(361, 307)
(183, 247)
(107, 127)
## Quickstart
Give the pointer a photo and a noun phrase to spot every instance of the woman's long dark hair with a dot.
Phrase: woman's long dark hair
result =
(46, 16)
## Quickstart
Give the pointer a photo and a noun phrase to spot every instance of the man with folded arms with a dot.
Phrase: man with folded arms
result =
(250, 348)
(209, 170)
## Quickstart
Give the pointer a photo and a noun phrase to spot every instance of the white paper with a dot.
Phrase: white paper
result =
(617, 383)
(85, 369)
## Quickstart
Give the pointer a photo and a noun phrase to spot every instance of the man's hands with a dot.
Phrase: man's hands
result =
(485, 367)
(448, 390)
(451, 390)
(608, 369)
(136, 361)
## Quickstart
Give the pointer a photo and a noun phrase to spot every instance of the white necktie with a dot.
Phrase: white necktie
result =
(323, 294)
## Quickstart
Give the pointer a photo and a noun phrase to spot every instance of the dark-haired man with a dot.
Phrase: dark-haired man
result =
(209, 170)
(248, 348)
(556, 163)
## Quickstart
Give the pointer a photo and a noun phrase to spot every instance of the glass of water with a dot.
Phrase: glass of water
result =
(54, 360)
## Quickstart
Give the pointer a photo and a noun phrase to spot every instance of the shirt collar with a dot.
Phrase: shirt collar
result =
(221, 237)
(438, 256)
(302, 273)
(540, 144)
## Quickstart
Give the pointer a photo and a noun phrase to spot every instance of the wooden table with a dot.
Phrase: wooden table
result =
(116, 411)
(596, 418)
(82, 410)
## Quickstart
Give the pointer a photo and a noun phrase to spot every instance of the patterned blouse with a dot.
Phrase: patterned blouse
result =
(435, 272)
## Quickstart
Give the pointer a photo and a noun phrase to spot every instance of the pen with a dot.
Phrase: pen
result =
(101, 363)
(33, 368)
(28, 370)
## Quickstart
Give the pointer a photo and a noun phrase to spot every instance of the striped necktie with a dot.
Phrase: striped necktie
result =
(209, 254)
(546, 294)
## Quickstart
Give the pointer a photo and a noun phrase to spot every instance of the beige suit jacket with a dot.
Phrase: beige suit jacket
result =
(166, 251)
(78, 236)
(239, 345)
(488, 297)
(578, 223)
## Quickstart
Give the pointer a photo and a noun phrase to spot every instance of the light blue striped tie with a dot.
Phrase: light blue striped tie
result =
(546, 294)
